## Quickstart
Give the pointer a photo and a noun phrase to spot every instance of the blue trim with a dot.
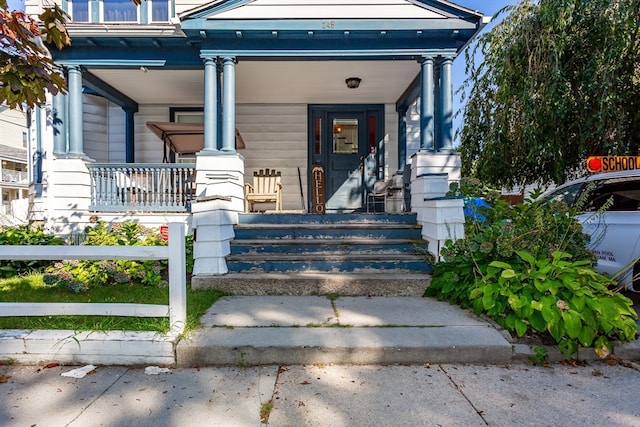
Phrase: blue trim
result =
(320, 25)
(143, 12)
(94, 10)
(120, 63)
(129, 135)
(402, 139)
(310, 54)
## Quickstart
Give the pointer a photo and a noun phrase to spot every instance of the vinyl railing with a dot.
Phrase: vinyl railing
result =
(175, 252)
(146, 187)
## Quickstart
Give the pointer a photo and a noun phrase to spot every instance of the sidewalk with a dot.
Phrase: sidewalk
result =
(293, 330)
(323, 395)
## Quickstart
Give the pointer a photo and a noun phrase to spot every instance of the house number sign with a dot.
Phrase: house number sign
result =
(317, 189)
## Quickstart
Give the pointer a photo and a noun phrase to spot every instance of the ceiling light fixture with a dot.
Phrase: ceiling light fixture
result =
(353, 82)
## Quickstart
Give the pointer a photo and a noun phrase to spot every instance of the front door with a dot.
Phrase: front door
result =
(345, 140)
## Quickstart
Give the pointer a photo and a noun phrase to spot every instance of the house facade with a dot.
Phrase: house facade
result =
(334, 95)
(14, 168)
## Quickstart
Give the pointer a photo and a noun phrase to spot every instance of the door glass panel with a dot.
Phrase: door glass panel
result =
(345, 136)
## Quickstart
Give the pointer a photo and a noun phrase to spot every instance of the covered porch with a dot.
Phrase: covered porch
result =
(357, 92)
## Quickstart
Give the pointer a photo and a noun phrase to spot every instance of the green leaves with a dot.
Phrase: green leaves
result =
(27, 71)
(558, 81)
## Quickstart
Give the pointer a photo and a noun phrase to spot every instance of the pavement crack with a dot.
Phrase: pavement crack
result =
(459, 389)
(96, 398)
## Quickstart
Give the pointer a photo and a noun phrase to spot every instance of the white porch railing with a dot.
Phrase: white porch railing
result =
(150, 187)
(175, 252)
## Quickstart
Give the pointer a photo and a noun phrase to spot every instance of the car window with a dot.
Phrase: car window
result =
(566, 194)
(624, 194)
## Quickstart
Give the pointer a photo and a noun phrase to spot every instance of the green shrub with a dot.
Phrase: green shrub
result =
(25, 235)
(104, 273)
(528, 267)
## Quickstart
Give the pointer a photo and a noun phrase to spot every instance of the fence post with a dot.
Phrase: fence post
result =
(177, 278)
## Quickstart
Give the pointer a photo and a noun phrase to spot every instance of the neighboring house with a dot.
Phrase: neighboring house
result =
(326, 92)
(14, 181)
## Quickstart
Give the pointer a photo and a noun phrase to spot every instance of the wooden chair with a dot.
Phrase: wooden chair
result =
(266, 188)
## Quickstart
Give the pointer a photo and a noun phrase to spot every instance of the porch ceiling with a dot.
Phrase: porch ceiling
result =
(266, 82)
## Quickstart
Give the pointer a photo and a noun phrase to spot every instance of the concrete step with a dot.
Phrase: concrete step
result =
(344, 330)
(316, 283)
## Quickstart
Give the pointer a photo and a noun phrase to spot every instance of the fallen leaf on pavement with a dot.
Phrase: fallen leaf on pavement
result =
(4, 378)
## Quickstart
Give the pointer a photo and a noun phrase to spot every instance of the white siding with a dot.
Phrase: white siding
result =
(12, 125)
(276, 138)
(95, 128)
(117, 133)
(148, 147)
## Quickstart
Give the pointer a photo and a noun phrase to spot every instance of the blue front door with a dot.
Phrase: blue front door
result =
(345, 140)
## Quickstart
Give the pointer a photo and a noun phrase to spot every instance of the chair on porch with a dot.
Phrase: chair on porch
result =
(376, 199)
(266, 188)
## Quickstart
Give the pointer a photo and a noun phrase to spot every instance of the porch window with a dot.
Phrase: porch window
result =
(80, 10)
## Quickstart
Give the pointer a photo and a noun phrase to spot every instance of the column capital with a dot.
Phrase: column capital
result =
(445, 59)
(426, 59)
(228, 59)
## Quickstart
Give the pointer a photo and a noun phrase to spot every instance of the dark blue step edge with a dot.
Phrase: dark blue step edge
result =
(288, 218)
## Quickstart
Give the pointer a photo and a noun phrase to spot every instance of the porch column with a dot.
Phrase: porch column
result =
(75, 112)
(210, 106)
(426, 105)
(446, 105)
(229, 104)
(59, 124)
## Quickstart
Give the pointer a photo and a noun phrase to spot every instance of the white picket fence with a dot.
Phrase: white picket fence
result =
(175, 252)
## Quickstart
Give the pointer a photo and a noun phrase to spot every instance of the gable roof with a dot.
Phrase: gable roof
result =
(358, 28)
(327, 9)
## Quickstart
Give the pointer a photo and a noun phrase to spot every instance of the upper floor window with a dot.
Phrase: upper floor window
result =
(80, 10)
(119, 11)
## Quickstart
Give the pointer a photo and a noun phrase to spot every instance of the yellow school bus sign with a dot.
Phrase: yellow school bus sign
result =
(597, 164)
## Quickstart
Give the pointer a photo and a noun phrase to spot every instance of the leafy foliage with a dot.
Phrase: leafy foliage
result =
(527, 267)
(24, 235)
(558, 81)
(81, 275)
(27, 70)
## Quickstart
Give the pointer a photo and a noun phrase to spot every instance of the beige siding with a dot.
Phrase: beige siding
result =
(12, 125)
(276, 138)
(390, 139)
(95, 128)
(148, 147)
(117, 137)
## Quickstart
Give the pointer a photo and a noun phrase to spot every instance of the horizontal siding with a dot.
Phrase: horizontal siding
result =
(117, 134)
(95, 128)
(149, 148)
(276, 138)
(12, 125)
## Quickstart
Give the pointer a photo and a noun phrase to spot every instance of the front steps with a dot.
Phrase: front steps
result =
(345, 254)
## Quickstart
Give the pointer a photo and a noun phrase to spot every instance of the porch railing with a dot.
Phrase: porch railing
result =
(150, 187)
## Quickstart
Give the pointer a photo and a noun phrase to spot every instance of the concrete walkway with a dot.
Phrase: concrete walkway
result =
(518, 394)
(295, 330)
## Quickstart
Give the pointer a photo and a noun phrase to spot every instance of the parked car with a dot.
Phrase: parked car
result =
(615, 234)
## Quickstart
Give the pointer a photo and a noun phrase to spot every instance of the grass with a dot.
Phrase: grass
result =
(31, 288)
